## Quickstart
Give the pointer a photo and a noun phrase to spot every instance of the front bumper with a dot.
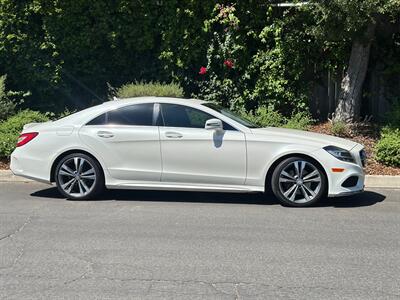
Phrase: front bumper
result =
(345, 194)
(337, 186)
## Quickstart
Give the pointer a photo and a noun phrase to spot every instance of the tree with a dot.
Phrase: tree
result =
(65, 52)
(27, 51)
(349, 104)
(353, 21)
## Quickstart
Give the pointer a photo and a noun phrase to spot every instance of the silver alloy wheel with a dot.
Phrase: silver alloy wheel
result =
(300, 181)
(77, 177)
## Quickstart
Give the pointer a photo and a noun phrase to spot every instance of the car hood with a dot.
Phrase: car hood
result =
(306, 137)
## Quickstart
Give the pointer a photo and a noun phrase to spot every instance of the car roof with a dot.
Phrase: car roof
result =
(136, 100)
(83, 115)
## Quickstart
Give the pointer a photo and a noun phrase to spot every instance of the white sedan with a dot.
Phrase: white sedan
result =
(180, 144)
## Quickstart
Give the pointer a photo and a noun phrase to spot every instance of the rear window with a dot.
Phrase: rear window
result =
(132, 115)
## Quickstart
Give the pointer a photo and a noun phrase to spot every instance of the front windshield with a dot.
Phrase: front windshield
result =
(230, 114)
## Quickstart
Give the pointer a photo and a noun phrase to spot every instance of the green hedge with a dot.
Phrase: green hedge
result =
(12, 127)
(269, 117)
(387, 150)
(139, 89)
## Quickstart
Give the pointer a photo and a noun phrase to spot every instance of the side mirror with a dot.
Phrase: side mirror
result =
(214, 124)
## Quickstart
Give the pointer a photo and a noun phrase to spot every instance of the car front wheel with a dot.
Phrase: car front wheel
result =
(299, 182)
(78, 176)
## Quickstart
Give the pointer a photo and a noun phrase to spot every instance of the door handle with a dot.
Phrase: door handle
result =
(105, 134)
(173, 135)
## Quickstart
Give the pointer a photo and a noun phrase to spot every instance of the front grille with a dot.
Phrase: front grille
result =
(363, 157)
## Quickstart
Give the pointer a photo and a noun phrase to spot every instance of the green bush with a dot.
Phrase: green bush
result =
(269, 117)
(235, 75)
(387, 150)
(7, 107)
(11, 128)
(300, 121)
(140, 89)
(339, 129)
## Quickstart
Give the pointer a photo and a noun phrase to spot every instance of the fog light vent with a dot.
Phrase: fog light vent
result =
(363, 157)
(350, 182)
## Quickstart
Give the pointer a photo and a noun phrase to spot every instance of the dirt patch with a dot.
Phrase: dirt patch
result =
(4, 164)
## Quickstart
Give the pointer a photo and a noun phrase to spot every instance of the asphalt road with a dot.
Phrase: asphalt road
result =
(167, 245)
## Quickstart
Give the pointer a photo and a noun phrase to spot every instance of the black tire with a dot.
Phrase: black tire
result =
(82, 183)
(306, 191)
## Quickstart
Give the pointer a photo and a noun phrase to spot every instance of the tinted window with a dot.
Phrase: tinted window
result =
(138, 114)
(175, 115)
(232, 115)
(100, 120)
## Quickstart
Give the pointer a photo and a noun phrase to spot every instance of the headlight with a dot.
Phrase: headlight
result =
(340, 153)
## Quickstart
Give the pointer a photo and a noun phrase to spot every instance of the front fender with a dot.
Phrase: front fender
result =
(260, 159)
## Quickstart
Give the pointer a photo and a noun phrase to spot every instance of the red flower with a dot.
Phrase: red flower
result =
(203, 71)
(228, 63)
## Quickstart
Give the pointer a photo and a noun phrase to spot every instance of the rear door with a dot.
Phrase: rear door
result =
(127, 141)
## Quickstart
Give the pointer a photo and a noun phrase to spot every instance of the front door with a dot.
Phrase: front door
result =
(193, 154)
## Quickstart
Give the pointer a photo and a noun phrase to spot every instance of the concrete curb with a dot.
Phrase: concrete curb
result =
(382, 181)
(371, 181)
(8, 176)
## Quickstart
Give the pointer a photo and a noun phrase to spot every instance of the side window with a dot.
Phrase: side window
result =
(137, 114)
(100, 120)
(175, 115)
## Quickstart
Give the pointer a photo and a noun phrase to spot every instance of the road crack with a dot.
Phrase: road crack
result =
(20, 250)
(21, 228)
(237, 295)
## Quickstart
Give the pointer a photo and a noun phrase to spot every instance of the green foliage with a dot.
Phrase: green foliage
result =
(349, 18)
(55, 116)
(65, 52)
(277, 73)
(387, 150)
(28, 53)
(270, 72)
(9, 100)
(340, 128)
(139, 89)
(301, 121)
(7, 107)
(269, 117)
(7, 144)
(11, 128)
(393, 117)
(222, 80)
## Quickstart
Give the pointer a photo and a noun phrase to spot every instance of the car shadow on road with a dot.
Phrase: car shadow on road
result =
(367, 198)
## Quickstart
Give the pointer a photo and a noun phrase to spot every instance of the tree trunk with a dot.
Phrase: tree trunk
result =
(349, 103)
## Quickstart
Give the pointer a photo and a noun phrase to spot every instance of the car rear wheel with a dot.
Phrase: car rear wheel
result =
(298, 182)
(78, 176)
